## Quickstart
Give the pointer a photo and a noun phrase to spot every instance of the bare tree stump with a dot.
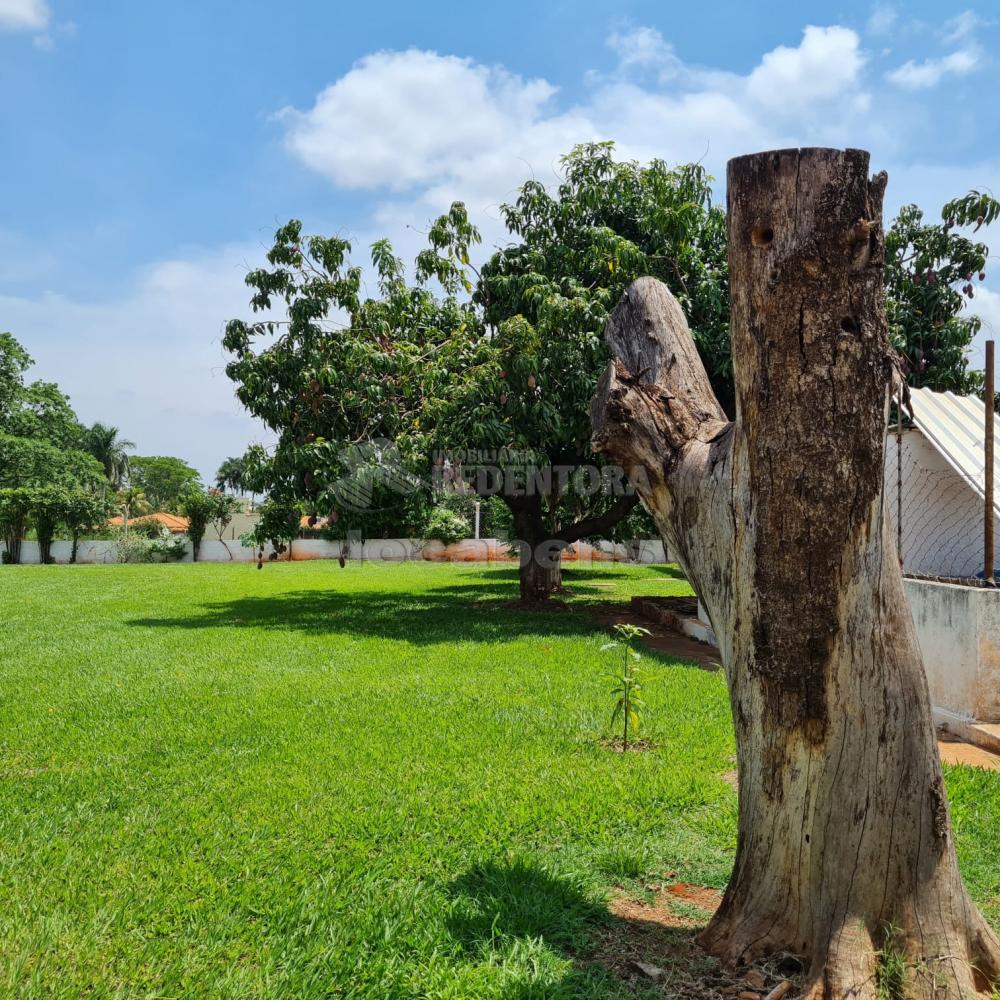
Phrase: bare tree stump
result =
(845, 847)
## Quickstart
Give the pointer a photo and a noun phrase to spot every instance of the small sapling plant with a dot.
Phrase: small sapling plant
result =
(628, 705)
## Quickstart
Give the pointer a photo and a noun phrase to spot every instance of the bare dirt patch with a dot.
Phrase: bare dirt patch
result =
(652, 943)
(697, 895)
(616, 745)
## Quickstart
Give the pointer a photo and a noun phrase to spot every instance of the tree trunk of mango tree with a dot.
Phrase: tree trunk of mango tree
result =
(540, 573)
(845, 846)
(541, 546)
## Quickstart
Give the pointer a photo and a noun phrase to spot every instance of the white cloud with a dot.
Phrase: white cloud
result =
(150, 361)
(822, 67)
(645, 49)
(400, 118)
(23, 15)
(438, 127)
(882, 19)
(962, 26)
(914, 75)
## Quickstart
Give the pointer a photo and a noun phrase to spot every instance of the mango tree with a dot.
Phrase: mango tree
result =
(460, 363)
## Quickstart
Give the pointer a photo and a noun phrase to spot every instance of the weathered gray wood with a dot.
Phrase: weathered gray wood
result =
(779, 522)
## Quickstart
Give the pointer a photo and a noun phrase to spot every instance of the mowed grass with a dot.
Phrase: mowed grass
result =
(371, 782)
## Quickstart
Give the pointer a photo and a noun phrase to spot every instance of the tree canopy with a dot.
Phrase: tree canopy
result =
(462, 363)
(107, 445)
(458, 367)
(41, 440)
(931, 270)
(163, 478)
(49, 477)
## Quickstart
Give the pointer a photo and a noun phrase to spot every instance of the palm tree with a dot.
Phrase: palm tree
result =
(103, 442)
(230, 475)
(132, 501)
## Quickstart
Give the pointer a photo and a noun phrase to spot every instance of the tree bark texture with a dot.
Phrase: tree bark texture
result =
(845, 849)
(541, 545)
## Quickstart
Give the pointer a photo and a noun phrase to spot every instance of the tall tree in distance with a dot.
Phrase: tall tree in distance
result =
(163, 478)
(105, 443)
(230, 475)
(845, 850)
(41, 440)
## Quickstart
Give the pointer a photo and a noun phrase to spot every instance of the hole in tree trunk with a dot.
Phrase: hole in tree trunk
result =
(762, 236)
(850, 325)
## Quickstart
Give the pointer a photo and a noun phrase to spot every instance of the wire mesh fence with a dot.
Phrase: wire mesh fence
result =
(937, 512)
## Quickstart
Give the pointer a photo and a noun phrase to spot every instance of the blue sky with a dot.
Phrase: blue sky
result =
(149, 151)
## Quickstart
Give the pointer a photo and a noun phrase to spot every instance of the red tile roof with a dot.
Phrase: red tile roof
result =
(172, 522)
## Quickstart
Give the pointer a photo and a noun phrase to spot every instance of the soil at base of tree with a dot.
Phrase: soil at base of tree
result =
(650, 942)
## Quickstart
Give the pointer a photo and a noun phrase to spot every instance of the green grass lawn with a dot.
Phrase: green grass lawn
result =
(372, 782)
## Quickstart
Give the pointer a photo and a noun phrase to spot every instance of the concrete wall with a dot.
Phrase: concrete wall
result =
(958, 629)
(241, 523)
(385, 549)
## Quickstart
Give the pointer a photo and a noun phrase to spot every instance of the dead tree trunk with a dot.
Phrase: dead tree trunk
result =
(845, 845)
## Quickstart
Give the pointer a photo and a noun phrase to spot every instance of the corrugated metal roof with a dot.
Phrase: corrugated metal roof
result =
(955, 425)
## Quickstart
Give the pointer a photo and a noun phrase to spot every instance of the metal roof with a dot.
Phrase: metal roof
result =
(955, 425)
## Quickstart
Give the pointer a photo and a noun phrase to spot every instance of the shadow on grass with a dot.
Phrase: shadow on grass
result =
(472, 611)
(495, 906)
(669, 569)
(447, 614)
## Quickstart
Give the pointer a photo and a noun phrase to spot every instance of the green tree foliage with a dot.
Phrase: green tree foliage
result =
(131, 502)
(49, 506)
(36, 410)
(14, 362)
(40, 437)
(931, 271)
(230, 475)
(277, 524)
(85, 512)
(446, 525)
(48, 509)
(548, 295)
(198, 507)
(15, 507)
(203, 508)
(35, 462)
(45, 413)
(505, 359)
(510, 366)
(162, 478)
(105, 443)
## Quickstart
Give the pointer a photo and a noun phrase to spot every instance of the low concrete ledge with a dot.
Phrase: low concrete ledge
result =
(958, 629)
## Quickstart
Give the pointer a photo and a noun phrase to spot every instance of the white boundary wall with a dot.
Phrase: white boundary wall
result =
(377, 549)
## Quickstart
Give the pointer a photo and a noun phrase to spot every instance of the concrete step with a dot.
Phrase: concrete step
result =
(985, 735)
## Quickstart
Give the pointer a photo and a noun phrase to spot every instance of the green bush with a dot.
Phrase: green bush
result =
(131, 548)
(446, 526)
(170, 547)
